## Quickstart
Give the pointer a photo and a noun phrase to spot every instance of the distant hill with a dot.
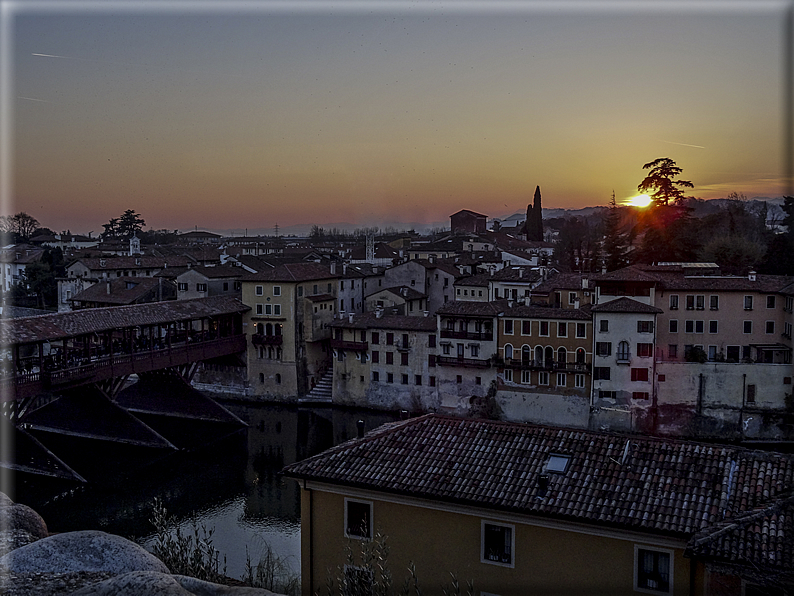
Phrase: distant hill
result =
(703, 207)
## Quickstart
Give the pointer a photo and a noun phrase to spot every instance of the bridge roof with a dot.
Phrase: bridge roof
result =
(90, 320)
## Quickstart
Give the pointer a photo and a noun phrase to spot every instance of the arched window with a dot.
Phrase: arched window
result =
(508, 351)
(260, 329)
(278, 379)
(268, 329)
(526, 354)
(562, 355)
(270, 353)
(539, 354)
(623, 351)
(549, 356)
(580, 356)
(278, 329)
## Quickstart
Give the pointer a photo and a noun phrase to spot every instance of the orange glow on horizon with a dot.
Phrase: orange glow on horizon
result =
(638, 201)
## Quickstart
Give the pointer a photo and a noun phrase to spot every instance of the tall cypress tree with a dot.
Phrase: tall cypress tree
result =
(534, 225)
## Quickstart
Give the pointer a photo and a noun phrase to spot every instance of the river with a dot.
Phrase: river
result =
(232, 486)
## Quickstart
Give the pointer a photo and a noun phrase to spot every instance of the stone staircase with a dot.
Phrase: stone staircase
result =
(321, 394)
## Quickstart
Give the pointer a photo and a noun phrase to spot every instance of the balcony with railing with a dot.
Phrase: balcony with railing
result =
(464, 362)
(549, 365)
(354, 346)
(267, 340)
(473, 335)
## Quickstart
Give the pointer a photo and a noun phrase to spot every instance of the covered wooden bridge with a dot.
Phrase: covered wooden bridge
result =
(106, 345)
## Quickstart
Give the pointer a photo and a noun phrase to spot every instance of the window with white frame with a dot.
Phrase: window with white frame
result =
(277, 290)
(497, 543)
(562, 329)
(544, 329)
(578, 381)
(259, 309)
(509, 375)
(259, 290)
(562, 380)
(358, 519)
(653, 570)
(526, 377)
(543, 378)
(581, 330)
(748, 303)
(277, 310)
(673, 301)
(508, 326)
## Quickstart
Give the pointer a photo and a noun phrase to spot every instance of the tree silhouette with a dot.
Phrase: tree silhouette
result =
(615, 241)
(659, 183)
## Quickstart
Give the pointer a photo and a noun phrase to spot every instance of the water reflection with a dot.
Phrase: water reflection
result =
(233, 486)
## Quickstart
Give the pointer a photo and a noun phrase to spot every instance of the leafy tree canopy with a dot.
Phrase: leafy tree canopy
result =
(660, 185)
(123, 227)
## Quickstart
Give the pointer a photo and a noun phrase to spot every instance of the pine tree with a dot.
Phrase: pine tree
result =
(615, 244)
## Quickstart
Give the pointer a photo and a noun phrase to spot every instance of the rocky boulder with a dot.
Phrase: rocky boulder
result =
(19, 525)
(89, 550)
(159, 584)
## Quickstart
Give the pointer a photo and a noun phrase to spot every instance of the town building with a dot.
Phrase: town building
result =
(545, 362)
(521, 509)
(292, 307)
(385, 361)
(200, 282)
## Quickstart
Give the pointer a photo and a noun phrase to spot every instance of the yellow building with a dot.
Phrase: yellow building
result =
(520, 509)
(289, 348)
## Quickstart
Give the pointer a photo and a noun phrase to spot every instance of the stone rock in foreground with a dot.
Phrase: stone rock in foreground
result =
(161, 584)
(88, 550)
(19, 525)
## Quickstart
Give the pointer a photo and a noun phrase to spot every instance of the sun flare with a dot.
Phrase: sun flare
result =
(638, 201)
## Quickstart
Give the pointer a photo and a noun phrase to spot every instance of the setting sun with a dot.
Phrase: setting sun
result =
(638, 201)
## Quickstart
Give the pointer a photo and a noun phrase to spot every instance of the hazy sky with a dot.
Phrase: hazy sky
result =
(246, 115)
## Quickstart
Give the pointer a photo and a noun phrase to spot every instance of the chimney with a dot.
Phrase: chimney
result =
(108, 287)
(378, 312)
(576, 303)
(360, 429)
(510, 303)
(350, 318)
(521, 273)
(585, 283)
(751, 276)
(425, 313)
(543, 484)
(342, 314)
(333, 267)
(344, 268)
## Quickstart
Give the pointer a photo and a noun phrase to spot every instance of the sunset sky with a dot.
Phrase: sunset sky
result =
(246, 115)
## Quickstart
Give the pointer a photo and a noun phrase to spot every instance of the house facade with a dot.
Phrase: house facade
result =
(521, 509)
(385, 361)
(545, 363)
(289, 348)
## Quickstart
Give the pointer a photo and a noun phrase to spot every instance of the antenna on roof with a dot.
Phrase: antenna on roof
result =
(625, 453)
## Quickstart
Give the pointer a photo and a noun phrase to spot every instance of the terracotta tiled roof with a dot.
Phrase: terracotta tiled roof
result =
(219, 271)
(625, 304)
(369, 320)
(662, 486)
(403, 292)
(561, 281)
(292, 272)
(90, 320)
(518, 273)
(759, 542)
(545, 312)
(123, 290)
(480, 280)
(472, 308)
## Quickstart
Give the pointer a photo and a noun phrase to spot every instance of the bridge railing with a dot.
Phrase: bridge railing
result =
(114, 365)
